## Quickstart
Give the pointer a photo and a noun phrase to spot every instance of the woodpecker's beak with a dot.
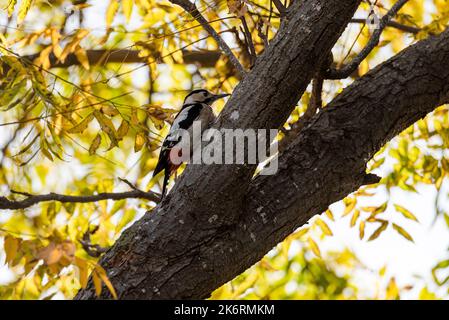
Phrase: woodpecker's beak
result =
(219, 96)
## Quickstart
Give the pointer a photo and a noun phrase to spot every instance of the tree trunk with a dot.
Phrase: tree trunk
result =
(218, 221)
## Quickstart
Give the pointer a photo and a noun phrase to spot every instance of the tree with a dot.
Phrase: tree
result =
(217, 221)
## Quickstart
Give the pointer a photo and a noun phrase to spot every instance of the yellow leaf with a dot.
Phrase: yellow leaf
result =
(349, 205)
(134, 117)
(97, 283)
(362, 229)
(122, 131)
(237, 7)
(102, 273)
(406, 213)
(44, 58)
(80, 127)
(383, 270)
(23, 10)
(73, 44)
(55, 36)
(402, 232)
(109, 110)
(301, 232)
(57, 51)
(47, 154)
(378, 231)
(324, 227)
(51, 254)
(81, 55)
(111, 12)
(127, 6)
(95, 144)
(445, 164)
(392, 291)
(139, 141)
(107, 127)
(68, 249)
(11, 246)
(329, 214)
(11, 5)
(355, 217)
(363, 67)
(315, 249)
(83, 271)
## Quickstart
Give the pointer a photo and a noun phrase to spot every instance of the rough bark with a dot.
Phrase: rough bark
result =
(218, 221)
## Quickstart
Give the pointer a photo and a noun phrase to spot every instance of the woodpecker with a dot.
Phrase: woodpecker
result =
(196, 107)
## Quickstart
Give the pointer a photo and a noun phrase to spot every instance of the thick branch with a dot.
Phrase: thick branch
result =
(207, 202)
(31, 200)
(322, 165)
(203, 58)
(348, 69)
(193, 11)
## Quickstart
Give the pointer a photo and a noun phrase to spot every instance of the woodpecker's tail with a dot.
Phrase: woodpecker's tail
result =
(164, 186)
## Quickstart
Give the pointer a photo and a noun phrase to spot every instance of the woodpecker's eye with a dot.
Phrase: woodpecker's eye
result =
(205, 94)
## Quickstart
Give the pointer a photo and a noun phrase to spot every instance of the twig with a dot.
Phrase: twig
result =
(261, 34)
(128, 183)
(26, 194)
(348, 69)
(93, 250)
(31, 200)
(193, 11)
(249, 41)
(281, 8)
(315, 104)
(392, 24)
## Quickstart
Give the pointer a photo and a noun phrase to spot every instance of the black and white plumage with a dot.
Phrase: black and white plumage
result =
(196, 107)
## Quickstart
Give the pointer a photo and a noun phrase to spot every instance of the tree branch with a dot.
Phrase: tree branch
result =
(204, 58)
(249, 41)
(193, 11)
(281, 8)
(31, 200)
(175, 253)
(348, 69)
(314, 105)
(207, 202)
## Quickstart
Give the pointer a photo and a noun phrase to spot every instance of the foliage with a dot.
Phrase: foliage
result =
(77, 129)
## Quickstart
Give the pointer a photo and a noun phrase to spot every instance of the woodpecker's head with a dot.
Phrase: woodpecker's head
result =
(203, 96)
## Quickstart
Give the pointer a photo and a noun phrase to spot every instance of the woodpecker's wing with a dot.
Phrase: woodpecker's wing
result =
(183, 120)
